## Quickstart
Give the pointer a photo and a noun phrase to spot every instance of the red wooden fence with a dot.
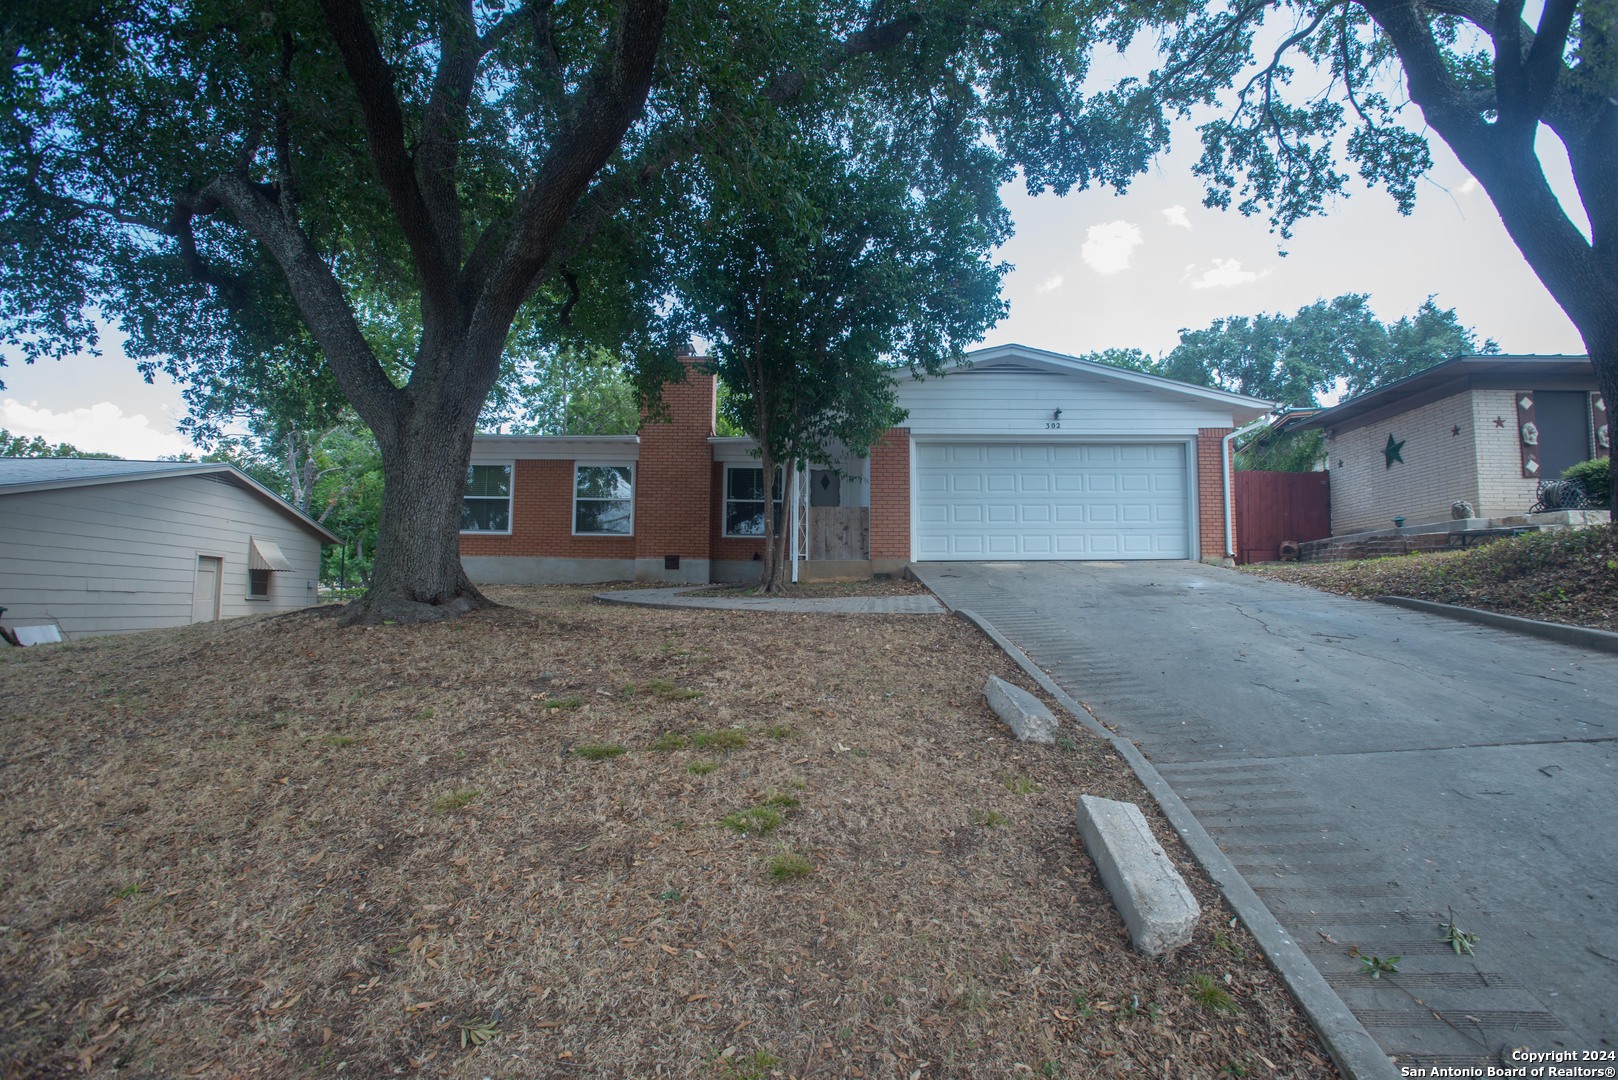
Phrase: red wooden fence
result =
(1276, 506)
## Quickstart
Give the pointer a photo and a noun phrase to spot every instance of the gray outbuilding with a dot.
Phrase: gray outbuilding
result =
(107, 547)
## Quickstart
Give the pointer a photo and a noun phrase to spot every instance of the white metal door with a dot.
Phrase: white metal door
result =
(205, 600)
(1051, 501)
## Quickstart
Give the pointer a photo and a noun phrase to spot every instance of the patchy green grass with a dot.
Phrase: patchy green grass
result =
(669, 740)
(990, 819)
(1567, 577)
(598, 751)
(339, 741)
(664, 690)
(757, 821)
(1208, 993)
(571, 701)
(788, 866)
(701, 768)
(455, 800)
(726, 739)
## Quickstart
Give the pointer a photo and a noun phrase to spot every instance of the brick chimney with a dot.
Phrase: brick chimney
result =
(673, 489)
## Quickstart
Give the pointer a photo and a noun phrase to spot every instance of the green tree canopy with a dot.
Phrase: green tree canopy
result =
(379, 191)
(14, 446)
(1299, 86)
(1326, 347)
(843, 260)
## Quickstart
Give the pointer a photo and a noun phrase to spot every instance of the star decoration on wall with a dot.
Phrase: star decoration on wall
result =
(1392, 452)
(1499, 421)
(1456, 430)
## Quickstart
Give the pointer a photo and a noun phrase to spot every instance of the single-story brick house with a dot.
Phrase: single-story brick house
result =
(107, 547)
(1018, 454)
(1478, 429)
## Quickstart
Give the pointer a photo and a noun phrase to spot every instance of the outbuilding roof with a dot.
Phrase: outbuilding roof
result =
(1521, 372)
(44, 474)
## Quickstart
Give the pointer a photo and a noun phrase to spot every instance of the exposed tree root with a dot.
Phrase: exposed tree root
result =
(373, 610)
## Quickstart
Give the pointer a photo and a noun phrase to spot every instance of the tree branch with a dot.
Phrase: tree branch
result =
(610, 99)
(318, 295)
(373, 84)
(444, 127)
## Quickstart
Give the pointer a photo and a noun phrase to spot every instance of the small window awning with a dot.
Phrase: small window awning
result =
(266, 555)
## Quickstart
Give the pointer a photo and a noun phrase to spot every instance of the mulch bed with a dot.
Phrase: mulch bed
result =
(1566, 577)
(274, 846)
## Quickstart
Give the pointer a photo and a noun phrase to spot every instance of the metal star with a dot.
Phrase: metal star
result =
(1499, 422)
(1392, 452)
(1456, 430)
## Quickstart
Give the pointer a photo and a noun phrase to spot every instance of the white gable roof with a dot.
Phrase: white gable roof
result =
(1024, 356)
(18, 475)
(1015, 392)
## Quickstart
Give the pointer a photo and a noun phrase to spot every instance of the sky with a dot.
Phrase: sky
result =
(1092, 270)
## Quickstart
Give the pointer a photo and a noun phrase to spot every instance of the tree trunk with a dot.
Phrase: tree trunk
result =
(774, 578)
(417, 575)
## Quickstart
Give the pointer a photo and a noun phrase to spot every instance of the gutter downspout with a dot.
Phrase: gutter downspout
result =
(1225, 483)
(793, 517)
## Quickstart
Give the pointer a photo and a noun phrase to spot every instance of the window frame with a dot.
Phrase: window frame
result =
(511, 497)
(253, 576)
(725, 500)
(573, 521)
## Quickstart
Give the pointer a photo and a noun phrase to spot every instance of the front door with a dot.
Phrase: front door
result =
(205, 600)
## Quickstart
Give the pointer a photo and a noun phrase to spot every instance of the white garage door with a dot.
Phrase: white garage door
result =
(1044, 501)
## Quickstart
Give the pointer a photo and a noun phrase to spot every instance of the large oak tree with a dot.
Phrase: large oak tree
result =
(381, 190)
(1481, 77)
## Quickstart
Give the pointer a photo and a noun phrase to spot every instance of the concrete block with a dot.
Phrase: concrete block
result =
(1148, 892)
(1024, 712)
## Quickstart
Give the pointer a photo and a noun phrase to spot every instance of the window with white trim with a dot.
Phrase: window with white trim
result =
(603, 500)
(744, 500)
(258, 584)
(486, 504)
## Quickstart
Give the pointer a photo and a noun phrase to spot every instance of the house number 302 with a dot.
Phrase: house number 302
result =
(1050, 424)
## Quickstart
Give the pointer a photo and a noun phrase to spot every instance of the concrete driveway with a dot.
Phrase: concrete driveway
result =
(1370, 770)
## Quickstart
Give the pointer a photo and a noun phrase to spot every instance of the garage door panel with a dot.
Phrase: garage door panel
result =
(1051, 501)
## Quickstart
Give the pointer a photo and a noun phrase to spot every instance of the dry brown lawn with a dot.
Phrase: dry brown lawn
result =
(278, 848)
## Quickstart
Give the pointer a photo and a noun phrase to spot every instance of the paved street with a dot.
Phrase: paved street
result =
(1369, 770)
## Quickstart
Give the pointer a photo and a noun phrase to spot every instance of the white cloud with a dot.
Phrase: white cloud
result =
(1223, 274)
(1176, 216)
(1107, 247)
(102, 428)
(1051, 283)
(1469, 185)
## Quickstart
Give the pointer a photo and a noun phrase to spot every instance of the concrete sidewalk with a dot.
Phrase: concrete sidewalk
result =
(851, 605)
(1372, 772)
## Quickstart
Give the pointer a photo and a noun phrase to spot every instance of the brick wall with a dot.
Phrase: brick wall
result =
(1502, 488)
(1439, 467)
(890, 496)
(542, 519)
(673, 487)
(1211, 491)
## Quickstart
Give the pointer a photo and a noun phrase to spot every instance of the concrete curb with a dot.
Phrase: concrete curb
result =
(1351, 1047)
(1583, 637)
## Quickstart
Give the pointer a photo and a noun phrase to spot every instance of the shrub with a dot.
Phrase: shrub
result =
(1596, 476)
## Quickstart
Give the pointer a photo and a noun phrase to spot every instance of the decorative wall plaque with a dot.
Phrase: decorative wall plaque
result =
(1527, 432)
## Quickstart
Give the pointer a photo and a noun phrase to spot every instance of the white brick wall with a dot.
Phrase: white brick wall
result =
(1439, 466)
(1503, 489)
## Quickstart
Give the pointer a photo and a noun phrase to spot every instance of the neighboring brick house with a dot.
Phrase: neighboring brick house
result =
(1479, 429)
(1017, 454)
